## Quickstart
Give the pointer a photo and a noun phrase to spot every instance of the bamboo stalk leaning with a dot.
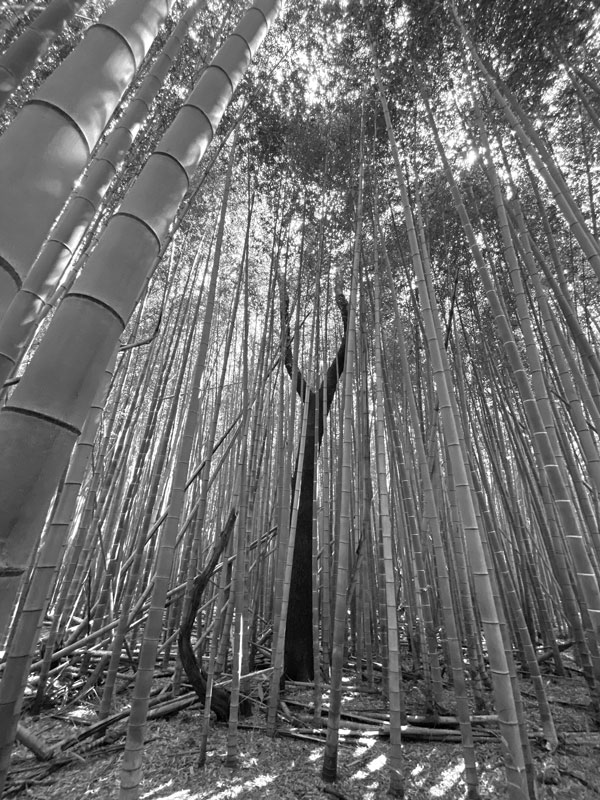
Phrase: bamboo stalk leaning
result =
(48, 144)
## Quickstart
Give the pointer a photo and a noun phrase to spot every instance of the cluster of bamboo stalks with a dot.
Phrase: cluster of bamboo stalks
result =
(151, 441)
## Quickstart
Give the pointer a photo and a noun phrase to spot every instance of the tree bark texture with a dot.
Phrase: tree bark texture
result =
(298, 660)
(219, 702)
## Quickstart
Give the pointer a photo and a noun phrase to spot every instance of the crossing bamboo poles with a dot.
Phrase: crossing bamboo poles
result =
(28, 623)
(51, 401)
(210, 445)
(202, 358)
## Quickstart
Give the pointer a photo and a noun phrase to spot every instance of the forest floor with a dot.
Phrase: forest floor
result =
(285, 768)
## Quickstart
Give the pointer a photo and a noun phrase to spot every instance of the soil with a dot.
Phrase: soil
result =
(289, 768)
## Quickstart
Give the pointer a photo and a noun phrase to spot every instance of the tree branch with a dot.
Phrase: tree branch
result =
(301, 384)
(337, 365)
(220, 698)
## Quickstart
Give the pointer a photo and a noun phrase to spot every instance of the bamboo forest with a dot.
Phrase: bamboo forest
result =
(299, 399)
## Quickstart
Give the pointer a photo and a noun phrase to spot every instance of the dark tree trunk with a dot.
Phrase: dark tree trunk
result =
(298, 660)
(220, 698)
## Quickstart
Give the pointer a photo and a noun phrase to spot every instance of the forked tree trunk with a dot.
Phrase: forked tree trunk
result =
(299, 662)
